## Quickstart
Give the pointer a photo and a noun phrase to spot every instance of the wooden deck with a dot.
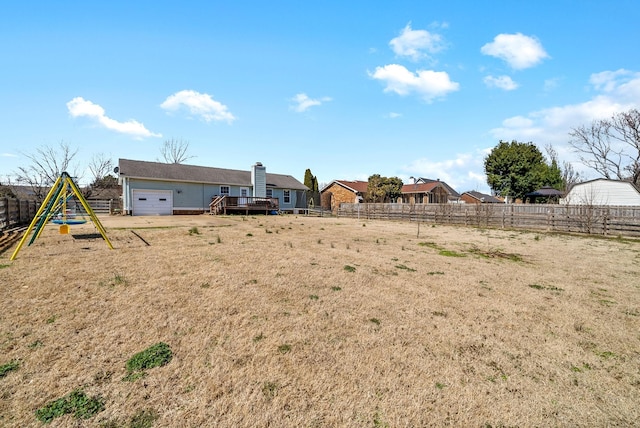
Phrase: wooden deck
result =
(243, 205)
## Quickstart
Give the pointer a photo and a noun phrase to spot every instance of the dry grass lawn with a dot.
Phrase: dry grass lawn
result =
(290, 321)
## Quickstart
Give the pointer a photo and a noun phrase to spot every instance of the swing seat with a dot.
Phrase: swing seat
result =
(69, 221)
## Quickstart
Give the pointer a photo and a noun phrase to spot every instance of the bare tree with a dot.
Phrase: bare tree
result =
(611, 147)
(568, 173)
(47, 164)
(100, 166)
(175, 151)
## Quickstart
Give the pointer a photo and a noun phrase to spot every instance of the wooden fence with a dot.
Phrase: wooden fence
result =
(601, 220)
(18, 212)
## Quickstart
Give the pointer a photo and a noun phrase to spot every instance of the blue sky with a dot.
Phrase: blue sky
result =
(345, 88)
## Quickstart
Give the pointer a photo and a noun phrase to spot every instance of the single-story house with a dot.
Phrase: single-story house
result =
(603, 191)
(473, 197)
(339, 191)
(154, 188)
(427, 191)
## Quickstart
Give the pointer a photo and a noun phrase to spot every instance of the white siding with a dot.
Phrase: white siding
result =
(603, 192)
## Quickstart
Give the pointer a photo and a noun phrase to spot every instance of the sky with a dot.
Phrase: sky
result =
(346, 89)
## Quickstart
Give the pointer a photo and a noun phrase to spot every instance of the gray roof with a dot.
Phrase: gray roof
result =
(484, 198)
(200, 174)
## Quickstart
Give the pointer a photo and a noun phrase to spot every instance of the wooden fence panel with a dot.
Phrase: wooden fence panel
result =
(600, 220)
(15, 212)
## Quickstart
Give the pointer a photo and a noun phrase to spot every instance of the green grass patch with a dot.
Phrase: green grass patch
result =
(403, 267)
(9, 367)
(143, 419)
(313, 297)
(154, 356)
(336, 288)
(376, 321)
(430, 245)
(284, 349)
(194, 231)
(269, 389)
(451, 253)
(349, 268)
(542, 287)
(77, 402)
(36, 344)
(2, 266)
(435, 273)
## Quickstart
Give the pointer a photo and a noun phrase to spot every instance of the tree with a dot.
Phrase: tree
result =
(175, 151)
(515, 169)
(568, 175)
(611, 147)
(310, 181)
(101, 168)
(383, 189)
(47, 164)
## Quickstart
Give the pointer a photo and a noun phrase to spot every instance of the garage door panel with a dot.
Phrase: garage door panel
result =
(152, 202)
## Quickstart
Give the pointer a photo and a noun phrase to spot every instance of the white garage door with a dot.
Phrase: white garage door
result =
(152, 202)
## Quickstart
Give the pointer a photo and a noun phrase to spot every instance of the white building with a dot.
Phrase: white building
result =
(602, 191)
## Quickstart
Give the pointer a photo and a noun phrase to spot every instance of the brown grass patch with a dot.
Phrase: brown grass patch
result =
(323, 322)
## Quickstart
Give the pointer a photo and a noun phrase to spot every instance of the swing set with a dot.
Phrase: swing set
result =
(57, 208)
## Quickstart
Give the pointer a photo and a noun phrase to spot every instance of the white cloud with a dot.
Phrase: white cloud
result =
(518, 50)
(198, 104)
(464, 172)
(501, 82)
(393, 115)
(416, 44)
(303, 102)
(79, 107)
(8, 155)
(616, 91)
(426, 83)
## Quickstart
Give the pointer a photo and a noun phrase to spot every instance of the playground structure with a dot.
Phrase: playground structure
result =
(56, 208)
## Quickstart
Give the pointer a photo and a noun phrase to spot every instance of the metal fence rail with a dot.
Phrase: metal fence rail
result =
(600, 220)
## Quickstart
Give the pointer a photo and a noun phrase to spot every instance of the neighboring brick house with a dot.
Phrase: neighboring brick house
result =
(427, 191)
(473, 197)
(339, 191)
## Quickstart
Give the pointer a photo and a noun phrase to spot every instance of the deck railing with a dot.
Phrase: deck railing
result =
(225, 204)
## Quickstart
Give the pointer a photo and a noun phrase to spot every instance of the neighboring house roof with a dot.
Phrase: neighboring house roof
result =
(201, 174)
(426, 185)
(482, 197)
(449, 189)
(354, 186)
(105, 193)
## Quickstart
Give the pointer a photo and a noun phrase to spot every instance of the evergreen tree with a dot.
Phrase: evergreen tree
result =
(515, 169)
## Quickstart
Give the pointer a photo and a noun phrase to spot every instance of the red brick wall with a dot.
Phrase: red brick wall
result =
(334, 195)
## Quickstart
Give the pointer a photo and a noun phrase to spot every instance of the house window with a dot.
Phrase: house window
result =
(224, 190)
(269, 193)
(286, 196)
